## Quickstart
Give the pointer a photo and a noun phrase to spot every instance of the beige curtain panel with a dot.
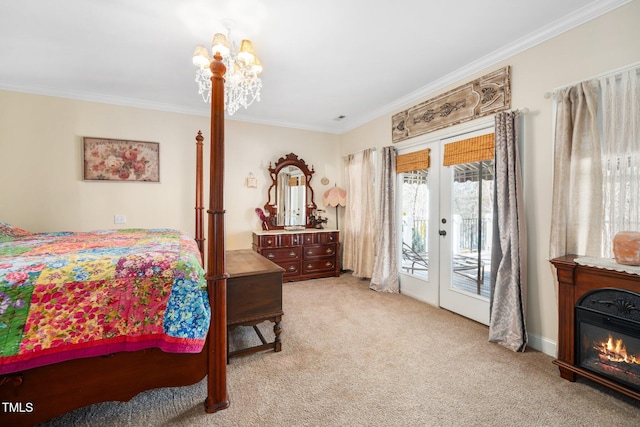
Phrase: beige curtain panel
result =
(360, 215)
(469, 150)
(416, 161)
(576, 209)
(385, 267)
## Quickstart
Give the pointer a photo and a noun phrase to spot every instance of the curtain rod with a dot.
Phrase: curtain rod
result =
(351, 154)
(636, 65)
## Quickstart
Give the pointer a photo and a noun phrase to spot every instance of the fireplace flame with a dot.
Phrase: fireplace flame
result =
(614, 350)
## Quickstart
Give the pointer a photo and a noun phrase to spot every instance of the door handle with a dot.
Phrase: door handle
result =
(442, 233)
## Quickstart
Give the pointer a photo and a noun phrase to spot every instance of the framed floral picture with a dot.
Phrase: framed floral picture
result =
(119, 160)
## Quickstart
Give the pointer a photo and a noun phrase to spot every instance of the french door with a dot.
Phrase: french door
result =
(417, 207)
(446, 221)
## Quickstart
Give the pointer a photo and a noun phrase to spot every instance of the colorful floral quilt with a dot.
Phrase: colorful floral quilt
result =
(71, 295)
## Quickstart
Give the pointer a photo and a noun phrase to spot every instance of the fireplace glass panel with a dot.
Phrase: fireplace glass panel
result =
(607, 350)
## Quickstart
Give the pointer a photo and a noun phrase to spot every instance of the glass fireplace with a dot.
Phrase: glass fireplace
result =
(608, 335)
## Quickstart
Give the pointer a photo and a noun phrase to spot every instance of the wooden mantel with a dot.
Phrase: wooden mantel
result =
(575, 280)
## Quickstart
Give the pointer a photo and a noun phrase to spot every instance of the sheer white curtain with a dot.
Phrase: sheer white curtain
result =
(360, 222)
(620, 155)
(576, 211)
(385, 269)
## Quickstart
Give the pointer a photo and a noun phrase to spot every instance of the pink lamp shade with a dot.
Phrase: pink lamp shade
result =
(335, 196)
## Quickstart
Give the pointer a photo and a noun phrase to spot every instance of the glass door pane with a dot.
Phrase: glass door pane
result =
(472, 216)
(415, 223)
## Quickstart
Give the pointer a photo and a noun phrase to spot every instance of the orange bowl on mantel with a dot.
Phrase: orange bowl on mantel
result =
(626, 247)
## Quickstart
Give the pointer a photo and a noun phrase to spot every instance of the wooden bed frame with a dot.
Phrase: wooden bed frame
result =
(39, 394)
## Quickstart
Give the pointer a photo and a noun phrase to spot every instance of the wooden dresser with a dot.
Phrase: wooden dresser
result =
(304, 254)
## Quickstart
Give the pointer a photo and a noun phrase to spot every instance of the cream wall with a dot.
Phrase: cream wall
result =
(603, 44)
(41, 186)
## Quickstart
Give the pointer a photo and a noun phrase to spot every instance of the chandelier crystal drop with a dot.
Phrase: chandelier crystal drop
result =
(242, 83)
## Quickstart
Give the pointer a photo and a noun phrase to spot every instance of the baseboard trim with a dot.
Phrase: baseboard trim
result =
(545, 345)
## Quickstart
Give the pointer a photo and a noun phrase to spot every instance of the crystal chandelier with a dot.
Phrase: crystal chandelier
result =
(242, 82)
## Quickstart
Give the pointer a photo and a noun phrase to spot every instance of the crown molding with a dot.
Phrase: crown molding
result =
(169, 108)
(279, 123)
(562, 25)
(104, 99)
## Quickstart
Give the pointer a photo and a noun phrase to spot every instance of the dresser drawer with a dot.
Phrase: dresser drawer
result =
(319, 251)
(279, 240)
(290, 268)
(282, 254)
(290, 240)
(309, 238)
(317, 266)
(329, 237)
(271, 241)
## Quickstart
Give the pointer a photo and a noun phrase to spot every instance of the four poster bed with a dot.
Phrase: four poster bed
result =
(96, 358)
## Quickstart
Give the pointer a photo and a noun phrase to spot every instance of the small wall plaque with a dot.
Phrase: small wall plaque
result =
(252, 181)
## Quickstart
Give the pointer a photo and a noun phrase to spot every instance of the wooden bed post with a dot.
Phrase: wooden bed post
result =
(199, 196)
(216, 269)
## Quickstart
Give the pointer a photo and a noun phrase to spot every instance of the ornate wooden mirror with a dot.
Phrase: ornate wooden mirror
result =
(290, 197)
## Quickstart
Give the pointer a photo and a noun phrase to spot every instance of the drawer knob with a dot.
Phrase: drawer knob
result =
(292, 268)
(329, 264)
(292, 254)
(309, 252)
(309, 266)
(329, 250)
(270, 255)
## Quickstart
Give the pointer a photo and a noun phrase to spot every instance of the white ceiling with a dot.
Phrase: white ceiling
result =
(322, 59)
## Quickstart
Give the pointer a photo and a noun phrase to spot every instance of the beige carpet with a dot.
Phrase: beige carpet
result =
(355, 357)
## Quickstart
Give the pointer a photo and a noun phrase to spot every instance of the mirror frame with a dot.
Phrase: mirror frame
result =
(289, 160)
